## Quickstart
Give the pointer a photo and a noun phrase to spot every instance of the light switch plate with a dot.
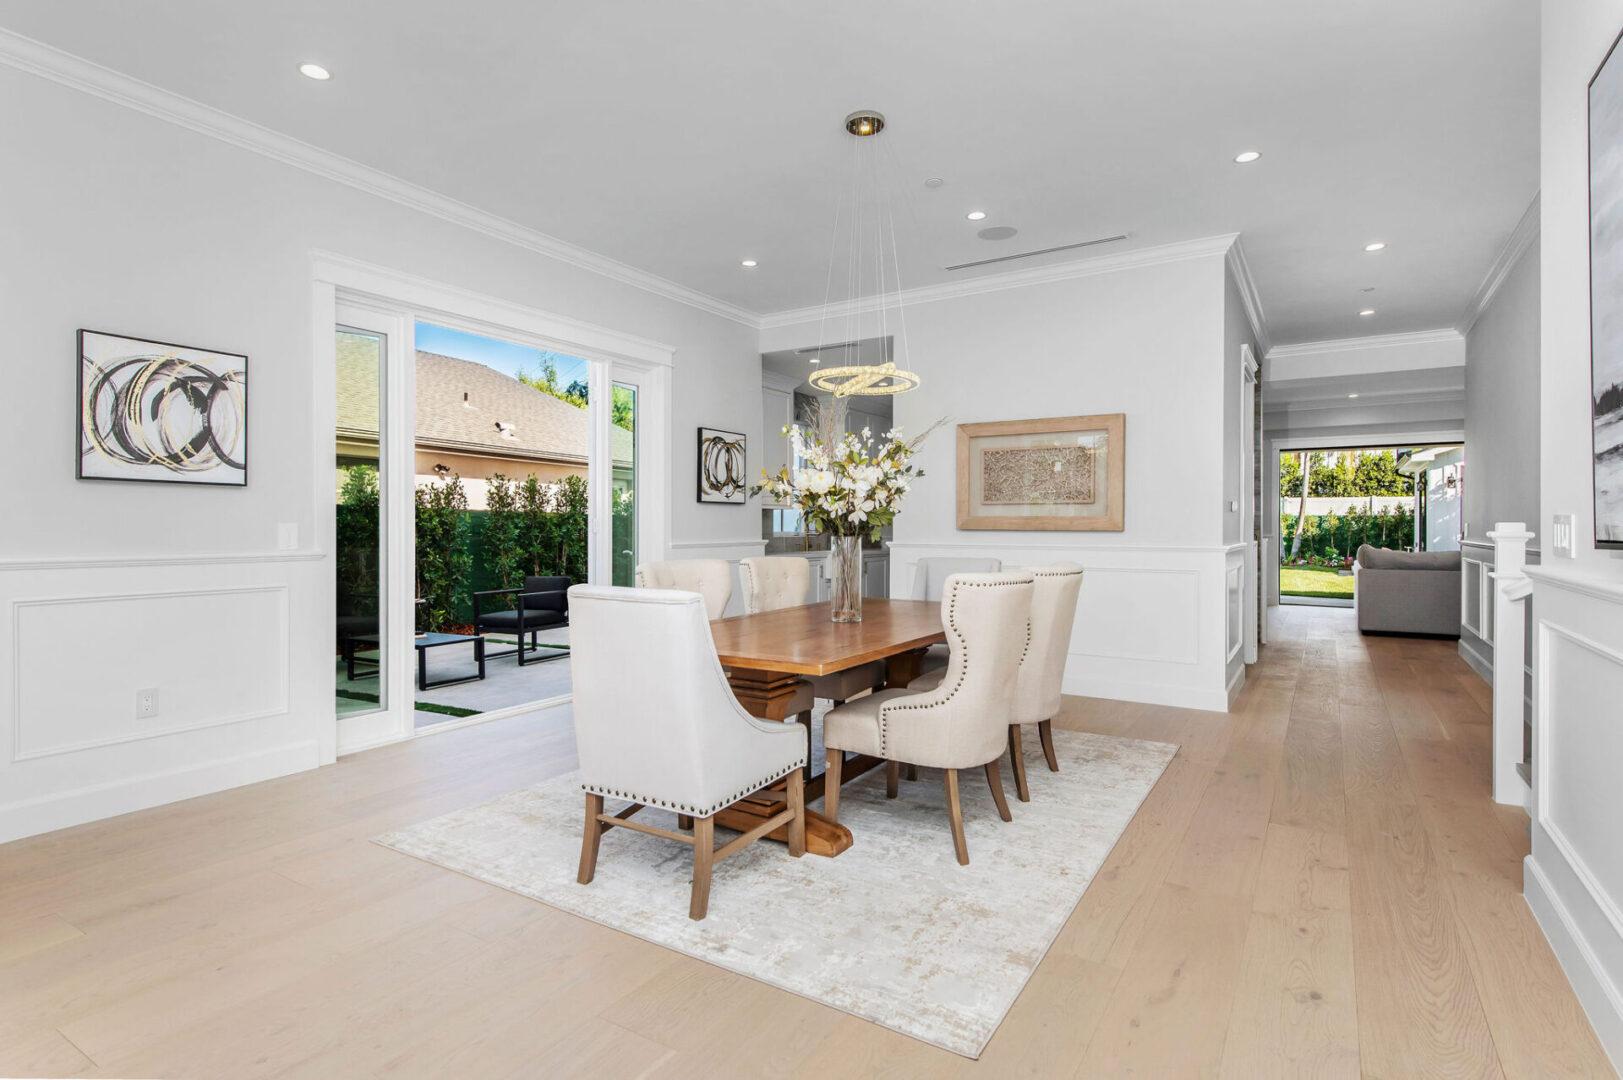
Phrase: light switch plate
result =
(1561, 545)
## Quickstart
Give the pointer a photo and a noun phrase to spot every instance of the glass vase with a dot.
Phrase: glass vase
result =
(845, 568)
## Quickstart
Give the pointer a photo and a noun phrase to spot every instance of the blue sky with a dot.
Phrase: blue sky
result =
(504, 356)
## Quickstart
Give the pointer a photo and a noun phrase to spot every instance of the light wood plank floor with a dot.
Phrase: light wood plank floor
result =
(1318, 886)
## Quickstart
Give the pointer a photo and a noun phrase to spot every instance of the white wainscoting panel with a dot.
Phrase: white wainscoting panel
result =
(242, 695)
(216, 656)
(1574, 875)
(1150, 623)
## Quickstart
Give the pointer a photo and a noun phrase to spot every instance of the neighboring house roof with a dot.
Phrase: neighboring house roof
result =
(470, 408)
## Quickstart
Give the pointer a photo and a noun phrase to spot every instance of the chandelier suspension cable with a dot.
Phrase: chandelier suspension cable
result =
(855, 376)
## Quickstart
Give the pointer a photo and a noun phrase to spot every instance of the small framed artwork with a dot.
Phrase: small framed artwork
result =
(722, 467)
(1061, 473)
(1606, 296)
(157, 412)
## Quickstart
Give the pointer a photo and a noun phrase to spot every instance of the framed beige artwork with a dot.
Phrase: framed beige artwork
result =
(1062, 473)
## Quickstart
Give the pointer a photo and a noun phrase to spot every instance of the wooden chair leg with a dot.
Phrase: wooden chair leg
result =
(704, 853)
(1017, 761)
(956, 814)
(797, 806)
(912, 772)
(1045, 729)
(805, 719)
(833, 760)
(684, 821)
(994, 780)
(893, 776)
(589, 840)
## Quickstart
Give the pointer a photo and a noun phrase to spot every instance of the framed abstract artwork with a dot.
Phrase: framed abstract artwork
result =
(722, 468)
(1606, 296)
(1061, 473)
(157, 412)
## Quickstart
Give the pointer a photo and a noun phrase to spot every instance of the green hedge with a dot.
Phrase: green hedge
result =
(530, 528)
(1335, 538)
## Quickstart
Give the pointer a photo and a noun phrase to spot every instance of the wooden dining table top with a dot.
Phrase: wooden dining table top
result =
(804, 640)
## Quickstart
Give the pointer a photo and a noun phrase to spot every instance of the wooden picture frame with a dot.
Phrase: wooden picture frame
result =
(1027, 453)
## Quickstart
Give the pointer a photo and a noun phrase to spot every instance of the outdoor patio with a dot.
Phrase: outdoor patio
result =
(505, 683)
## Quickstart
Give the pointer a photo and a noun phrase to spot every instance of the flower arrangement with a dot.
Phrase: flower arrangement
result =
(845, 484)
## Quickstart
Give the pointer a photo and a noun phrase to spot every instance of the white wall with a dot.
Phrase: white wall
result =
(1147, 341)
(124, 222)
(1502, 404)
(1574, 876)
(1371, 355)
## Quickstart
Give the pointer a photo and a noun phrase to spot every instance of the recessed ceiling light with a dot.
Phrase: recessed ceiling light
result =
(934, 182)
(975, 215)
(1247, 157)
(314, 71)
(1352, 395)
(1376, 246)
(751, 263)
(1367, 311)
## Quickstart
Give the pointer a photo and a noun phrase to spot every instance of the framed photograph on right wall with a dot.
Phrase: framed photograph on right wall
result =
(1606, 294)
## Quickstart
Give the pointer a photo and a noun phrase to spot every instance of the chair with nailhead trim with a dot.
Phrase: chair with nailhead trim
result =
(710, 578)
(963, 723)
(657, 725)
(1042, 673)
(930, 578)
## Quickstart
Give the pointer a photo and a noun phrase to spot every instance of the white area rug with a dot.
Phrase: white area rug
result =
(893, 930)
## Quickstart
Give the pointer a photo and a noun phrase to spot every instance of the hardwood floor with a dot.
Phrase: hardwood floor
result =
(1318, 886)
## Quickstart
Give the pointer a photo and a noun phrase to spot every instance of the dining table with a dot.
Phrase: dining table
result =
(767, 654)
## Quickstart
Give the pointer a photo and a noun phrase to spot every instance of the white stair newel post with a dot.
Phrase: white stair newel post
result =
(1511, 589)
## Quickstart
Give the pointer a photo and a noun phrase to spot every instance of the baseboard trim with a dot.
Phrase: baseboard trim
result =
(1596, 992)
(1236, 684)
(1147, 693)
(1482, 665)
(61, 810)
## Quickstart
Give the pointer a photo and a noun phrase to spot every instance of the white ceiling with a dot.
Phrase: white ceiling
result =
(681, 138)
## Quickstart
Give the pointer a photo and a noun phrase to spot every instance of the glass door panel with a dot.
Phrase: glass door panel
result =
(623, 441)
(358, 646)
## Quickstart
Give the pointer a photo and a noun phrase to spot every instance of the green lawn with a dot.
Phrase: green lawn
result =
(1314, 581)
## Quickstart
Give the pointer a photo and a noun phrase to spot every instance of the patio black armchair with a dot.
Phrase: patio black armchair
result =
(542, 603)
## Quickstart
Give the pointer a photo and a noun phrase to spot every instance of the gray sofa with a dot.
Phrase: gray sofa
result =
(1407, 592)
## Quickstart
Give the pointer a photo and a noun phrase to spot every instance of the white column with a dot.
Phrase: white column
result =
(1511, 589)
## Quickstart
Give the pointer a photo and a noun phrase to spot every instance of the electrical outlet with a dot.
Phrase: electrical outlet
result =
(1561, 545)
(146, 703)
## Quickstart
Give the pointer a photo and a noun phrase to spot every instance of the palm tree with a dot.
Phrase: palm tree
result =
(1301, 507)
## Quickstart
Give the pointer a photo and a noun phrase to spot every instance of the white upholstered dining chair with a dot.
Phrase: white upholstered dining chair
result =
(657, 725)
(1038, 687)
(710, 578)
(771, 584)
(963, 722)
(930, 577)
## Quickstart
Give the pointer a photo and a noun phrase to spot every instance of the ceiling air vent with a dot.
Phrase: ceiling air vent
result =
(1039, 251)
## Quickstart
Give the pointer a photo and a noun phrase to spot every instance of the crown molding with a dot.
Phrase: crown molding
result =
(1014, 279)
(1374, 341)
(37, 58)
(1241, 269)
(1521, 238)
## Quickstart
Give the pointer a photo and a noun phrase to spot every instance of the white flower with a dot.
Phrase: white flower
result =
(820, 481)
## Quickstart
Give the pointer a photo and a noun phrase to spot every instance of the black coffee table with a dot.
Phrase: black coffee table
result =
(424, 642)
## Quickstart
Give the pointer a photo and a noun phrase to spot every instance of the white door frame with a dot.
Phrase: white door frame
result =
(390, 297)
(1250, 387)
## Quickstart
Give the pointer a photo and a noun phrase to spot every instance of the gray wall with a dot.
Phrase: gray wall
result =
(1502, 404)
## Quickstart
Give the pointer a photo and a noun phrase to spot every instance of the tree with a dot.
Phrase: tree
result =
(1290, 476)
(1377, 475)
(1301, 506)
(578, 393)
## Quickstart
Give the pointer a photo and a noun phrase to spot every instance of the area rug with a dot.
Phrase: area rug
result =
(892, 930)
